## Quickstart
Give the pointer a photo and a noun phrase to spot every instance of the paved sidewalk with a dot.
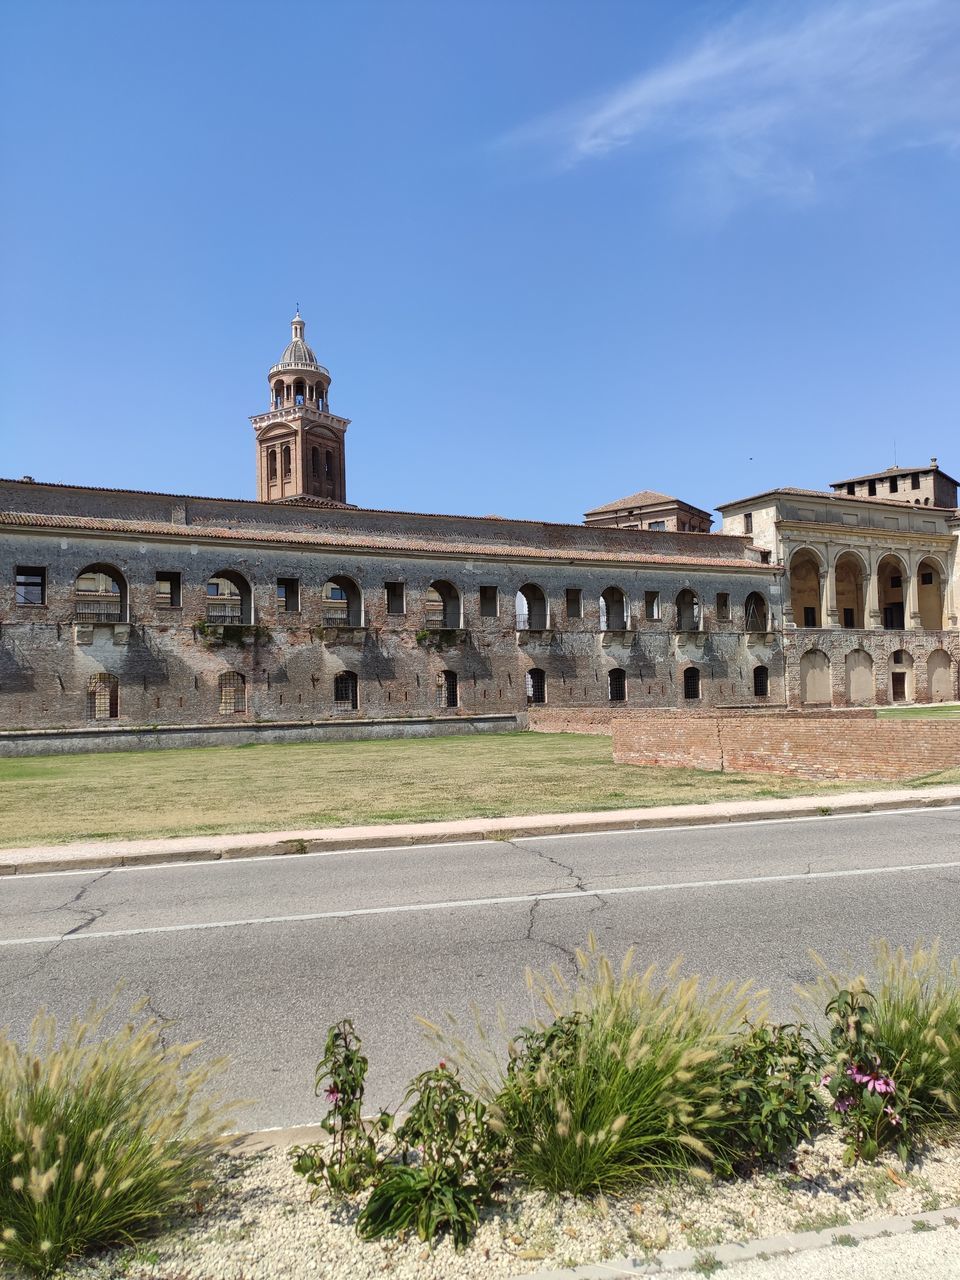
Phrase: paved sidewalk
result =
(128, 853)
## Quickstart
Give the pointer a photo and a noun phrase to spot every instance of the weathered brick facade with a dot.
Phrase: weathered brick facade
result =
(124, 608)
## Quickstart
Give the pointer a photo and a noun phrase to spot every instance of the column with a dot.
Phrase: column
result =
(831, 617)
(872, 618)
(823, 576)
(911, 596)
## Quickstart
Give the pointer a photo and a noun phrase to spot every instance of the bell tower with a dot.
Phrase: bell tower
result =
(300, 443)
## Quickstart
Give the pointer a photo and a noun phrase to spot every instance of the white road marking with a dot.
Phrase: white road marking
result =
(511, 900)
(449, 845)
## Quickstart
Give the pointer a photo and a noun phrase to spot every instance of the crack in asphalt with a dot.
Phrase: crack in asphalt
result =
(568, 953)
(164, 1019)
(90, 916)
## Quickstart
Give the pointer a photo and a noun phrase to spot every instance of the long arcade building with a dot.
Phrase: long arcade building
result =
(127, 608)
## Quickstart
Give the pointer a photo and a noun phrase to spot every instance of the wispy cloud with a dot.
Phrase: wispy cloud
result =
(773, 100)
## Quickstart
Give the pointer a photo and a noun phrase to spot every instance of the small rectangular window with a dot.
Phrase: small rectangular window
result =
(851, 489)
(396, 599)
(31, 585)
(764, 557)
(574, 603)
(748, 522)
(894, 486)
(926, 579)
(761, 682)
(489, 602)
(651, 606)
(848, 619)
(658, 526)
(872, 488)
(168, 591)
(809, 615)
(288, 595)
(723, 606)
(915, 480)
(896, 580)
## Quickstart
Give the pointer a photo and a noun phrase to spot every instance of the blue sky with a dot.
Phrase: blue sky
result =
(551, 251)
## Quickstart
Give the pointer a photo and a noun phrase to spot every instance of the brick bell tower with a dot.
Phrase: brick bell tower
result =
(300, 443)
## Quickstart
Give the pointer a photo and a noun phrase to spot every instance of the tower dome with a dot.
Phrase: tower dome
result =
(296, 354)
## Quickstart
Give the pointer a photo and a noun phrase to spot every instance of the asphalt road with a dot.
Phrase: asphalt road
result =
(257, 957)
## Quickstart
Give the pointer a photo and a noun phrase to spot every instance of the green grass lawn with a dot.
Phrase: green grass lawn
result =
(49, 799)
(941, 709)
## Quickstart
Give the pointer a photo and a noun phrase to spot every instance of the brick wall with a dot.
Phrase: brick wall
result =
(850, 744)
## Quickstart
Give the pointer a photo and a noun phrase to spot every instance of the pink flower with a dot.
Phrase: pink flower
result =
(894, 1118)
(825, 1080)
(843, 1103)
(443, 1065)
(332, 1094)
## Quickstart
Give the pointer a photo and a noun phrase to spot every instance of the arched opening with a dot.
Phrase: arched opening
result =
(287, 462)
(805, 588)
(688, 611)
(614, 615)
(755, 613)
(442, 606)
(691, 683)
(346, 691)
(858, 673)
(318, 395)
(815, 688)
(342, 602)
(279, 391)
(900, 683)
(299, 392)
(941, 686)
(100, 595)
(536, 682)
(229, 599)
(103, 697)
(448, 693)
(761, 682)
(531, 608)
(891, 584)
(233, 693)
(849, 575)
(617, 685)
(930, 594)
(271, 465)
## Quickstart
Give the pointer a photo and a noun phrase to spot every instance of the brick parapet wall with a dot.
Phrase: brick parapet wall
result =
(848, 744)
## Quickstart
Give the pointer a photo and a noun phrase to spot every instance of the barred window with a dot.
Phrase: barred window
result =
(345, 691)
(103, 697)
(233, 693)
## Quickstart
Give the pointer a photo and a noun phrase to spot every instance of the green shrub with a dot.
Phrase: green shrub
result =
(773, 1092)
(915, 1014)
(101, 1137)
(349, 1159)
(459, 1160)
(626, 1083)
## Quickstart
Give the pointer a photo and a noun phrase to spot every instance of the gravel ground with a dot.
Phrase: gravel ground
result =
(261, 1226)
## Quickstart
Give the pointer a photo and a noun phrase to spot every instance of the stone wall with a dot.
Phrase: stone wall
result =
(99, 738)
(838, 744)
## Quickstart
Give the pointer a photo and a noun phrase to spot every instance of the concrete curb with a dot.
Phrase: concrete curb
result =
(675, 1260)
(142, 853)
(689, 1260)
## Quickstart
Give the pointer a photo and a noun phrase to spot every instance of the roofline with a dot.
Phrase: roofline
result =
(833, 497)
(897, 472)
(90, 526)
(611, 508)
(379, 511)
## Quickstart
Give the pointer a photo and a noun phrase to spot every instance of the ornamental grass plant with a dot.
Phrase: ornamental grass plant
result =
(914, 1011)
(102, 1136)
(624, 1079)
